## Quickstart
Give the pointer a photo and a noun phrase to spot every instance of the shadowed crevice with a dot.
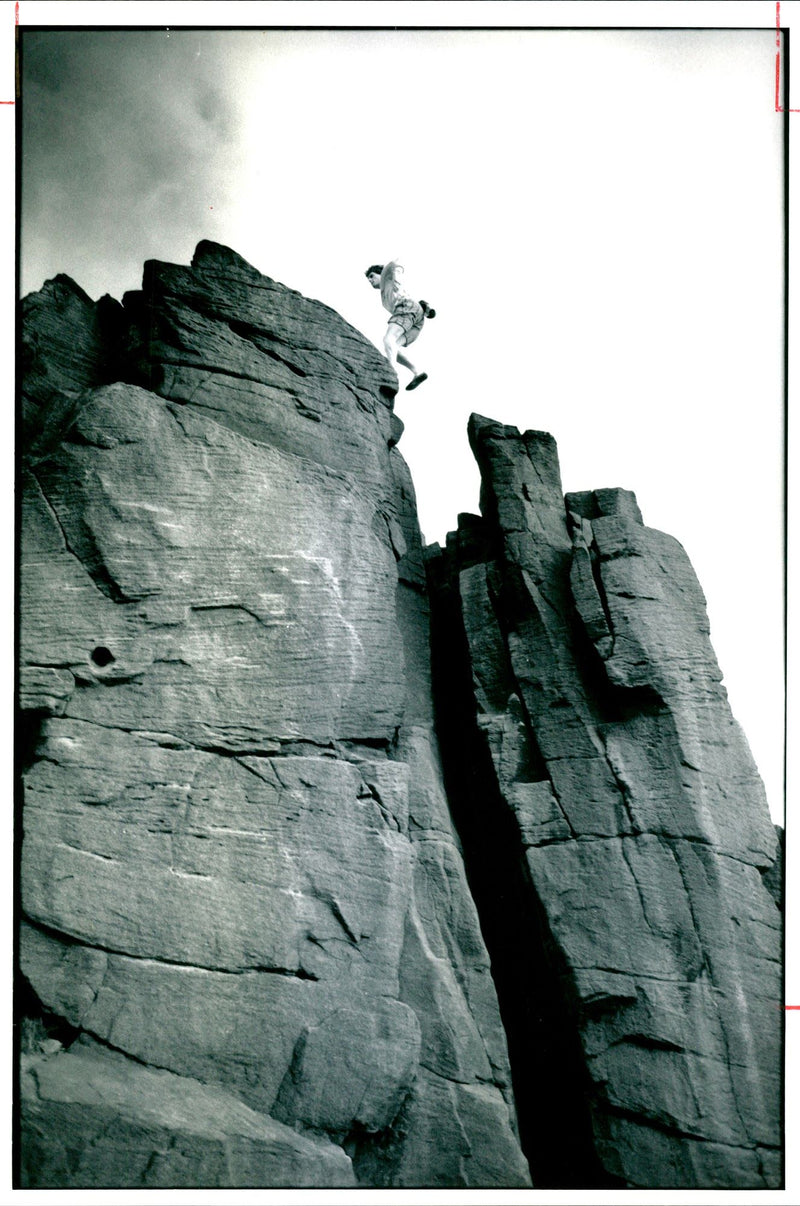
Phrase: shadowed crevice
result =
(551, 1086)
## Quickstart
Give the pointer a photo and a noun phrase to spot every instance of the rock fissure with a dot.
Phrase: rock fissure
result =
(97, 571)
(497, 828)
(219, 370)
(667, 1129)
(614, 743)
(597, 575)
(79, 942)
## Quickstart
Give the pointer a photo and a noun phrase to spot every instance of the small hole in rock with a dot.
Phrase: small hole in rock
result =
(102, 656)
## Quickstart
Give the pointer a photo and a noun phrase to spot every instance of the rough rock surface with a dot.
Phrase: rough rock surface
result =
(245, 908)
(584, 723)
(258, 905)
(94, 1119)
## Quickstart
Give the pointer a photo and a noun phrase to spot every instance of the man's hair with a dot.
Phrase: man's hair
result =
(375, 268)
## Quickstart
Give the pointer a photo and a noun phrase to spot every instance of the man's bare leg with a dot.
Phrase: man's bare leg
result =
(406, 363)
(393, 340)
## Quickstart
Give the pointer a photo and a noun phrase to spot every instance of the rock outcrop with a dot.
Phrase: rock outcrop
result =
(258, 905)
(584, 725)
(239, 866)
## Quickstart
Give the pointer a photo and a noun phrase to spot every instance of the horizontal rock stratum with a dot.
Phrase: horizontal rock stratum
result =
(269, 930)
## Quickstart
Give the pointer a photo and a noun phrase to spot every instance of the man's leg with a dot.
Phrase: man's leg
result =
(404, 360)
(393, 340)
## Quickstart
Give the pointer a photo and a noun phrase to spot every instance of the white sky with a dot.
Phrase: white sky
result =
(596, 216)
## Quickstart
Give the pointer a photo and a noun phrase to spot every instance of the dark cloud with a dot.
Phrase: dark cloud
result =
(124, 135)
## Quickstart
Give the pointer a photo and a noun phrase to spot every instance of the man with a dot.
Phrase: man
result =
(407, 317)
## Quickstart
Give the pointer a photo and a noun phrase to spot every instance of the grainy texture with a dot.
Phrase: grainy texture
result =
(239, 866)
(95, 1120)
(250, 952)
(598, 722)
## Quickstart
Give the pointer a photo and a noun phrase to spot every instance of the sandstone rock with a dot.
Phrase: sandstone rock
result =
(90, 1120)
(68, 345)
(353, 1070)
(239, 865)
(598, 730)
(263, 361)
(238, 565)
(251, 948)
(456, 1137)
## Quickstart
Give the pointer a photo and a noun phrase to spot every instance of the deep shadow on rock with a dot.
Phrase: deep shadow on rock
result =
(258, 904)
(583, 719)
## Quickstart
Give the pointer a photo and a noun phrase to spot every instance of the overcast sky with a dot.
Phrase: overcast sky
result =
(596, 216)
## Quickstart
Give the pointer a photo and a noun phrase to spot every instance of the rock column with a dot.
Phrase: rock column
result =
(592, 731)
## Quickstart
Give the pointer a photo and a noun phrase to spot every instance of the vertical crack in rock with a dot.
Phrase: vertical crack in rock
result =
(550, 1084)
(90, 557)
(567, 628)
(272, 936)
(244, 899)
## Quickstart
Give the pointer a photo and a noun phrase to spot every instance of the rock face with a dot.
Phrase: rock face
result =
(250, 952)
(239, 866)
(578, 683)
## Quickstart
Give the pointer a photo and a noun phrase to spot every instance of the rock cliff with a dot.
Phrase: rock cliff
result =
(594, 764)
(257, 904)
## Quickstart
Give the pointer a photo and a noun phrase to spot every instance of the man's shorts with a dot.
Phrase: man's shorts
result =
(410, 316)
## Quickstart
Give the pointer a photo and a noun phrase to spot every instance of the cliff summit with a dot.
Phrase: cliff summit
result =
(345, 862)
